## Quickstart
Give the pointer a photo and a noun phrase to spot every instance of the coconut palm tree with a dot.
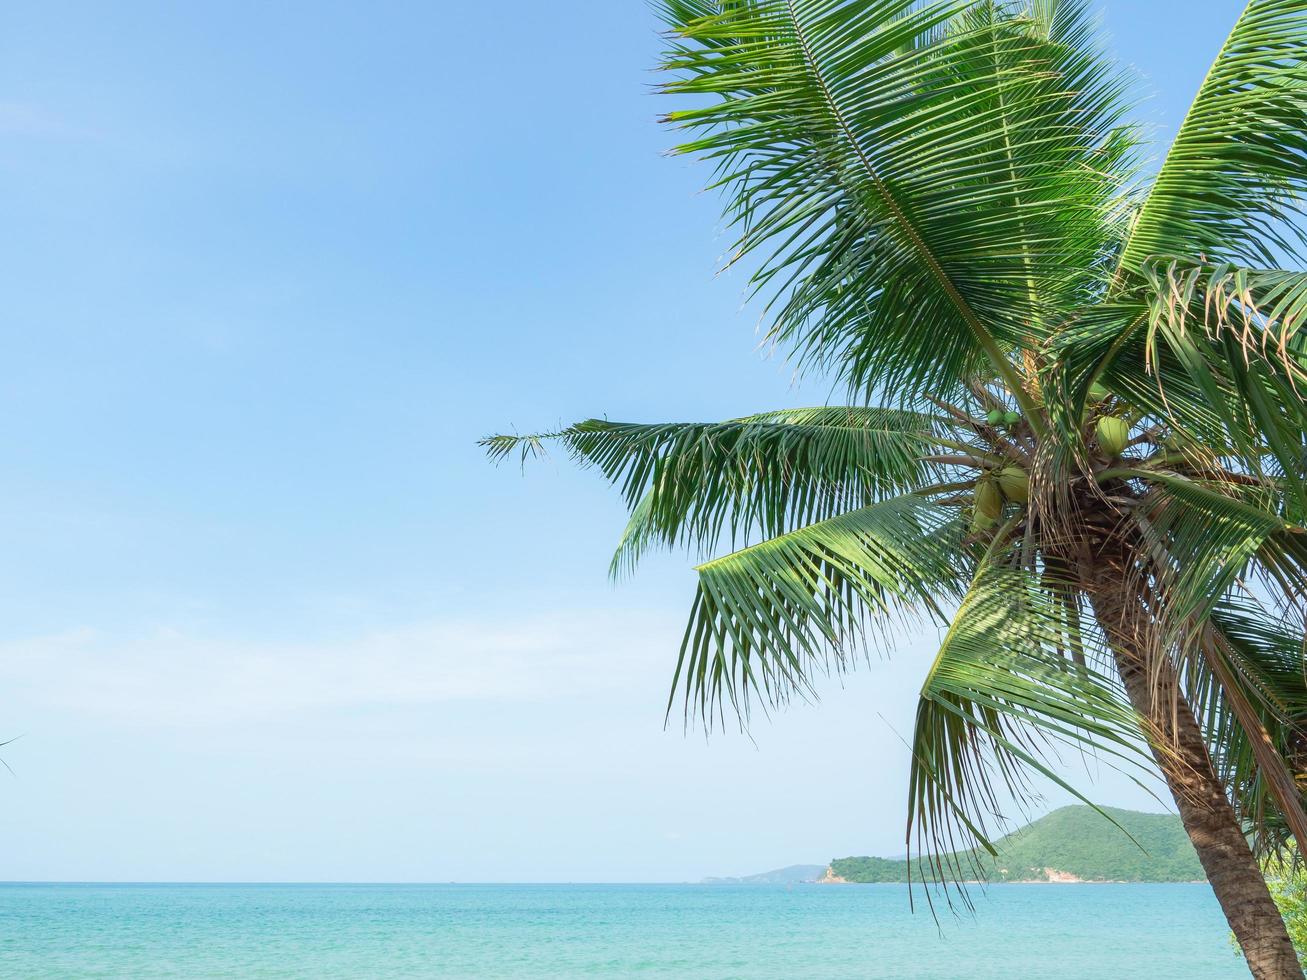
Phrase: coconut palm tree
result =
(1075, 424)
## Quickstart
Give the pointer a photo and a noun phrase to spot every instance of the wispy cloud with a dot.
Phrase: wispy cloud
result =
(172, 677)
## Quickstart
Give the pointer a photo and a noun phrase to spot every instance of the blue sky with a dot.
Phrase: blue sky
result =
(269, 272)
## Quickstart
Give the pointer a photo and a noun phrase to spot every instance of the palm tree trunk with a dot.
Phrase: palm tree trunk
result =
(1181, 752)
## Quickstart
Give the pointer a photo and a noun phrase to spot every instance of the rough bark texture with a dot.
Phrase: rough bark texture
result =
(1181, 753)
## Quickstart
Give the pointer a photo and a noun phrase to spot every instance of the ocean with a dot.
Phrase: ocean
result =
(1068, 932)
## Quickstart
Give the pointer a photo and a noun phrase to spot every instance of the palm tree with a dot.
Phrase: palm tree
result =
(1075, 430)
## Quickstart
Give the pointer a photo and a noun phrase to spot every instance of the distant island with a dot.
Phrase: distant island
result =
(1071, 844)
(795, 874)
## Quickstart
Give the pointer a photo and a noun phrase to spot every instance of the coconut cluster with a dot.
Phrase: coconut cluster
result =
(1010, 483)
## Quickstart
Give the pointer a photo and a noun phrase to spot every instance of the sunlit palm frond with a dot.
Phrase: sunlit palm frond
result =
(1265, 309)
(766, 618)
(916, 208)
(1250, 693)
(1232, 182)
(1014, 679)
(694, 484)
(1204, 537)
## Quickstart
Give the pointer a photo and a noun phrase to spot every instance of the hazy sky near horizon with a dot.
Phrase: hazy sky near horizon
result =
(266, 612)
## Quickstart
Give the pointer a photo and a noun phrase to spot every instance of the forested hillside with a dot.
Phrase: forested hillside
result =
(1073, 843)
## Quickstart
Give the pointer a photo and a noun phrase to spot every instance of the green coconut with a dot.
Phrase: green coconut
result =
(1113, 433)
(1011, 418)
(1015, 484)
(989, 499)
(981, 522)
(994, 416)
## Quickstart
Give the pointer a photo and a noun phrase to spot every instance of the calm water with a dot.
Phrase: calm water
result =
(1071, 932)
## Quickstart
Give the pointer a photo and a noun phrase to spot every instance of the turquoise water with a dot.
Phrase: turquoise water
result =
(1070, 932)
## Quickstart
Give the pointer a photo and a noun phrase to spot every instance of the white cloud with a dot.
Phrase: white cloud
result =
(171, 676)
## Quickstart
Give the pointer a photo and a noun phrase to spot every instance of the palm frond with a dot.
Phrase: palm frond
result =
(1231, 185)
(918, 206)
(1265, 309)
(1235, 334)
(1230, 190)
(766, 618)
(1249, 692)
(692, 484)
(1207, 536)
(1203, 537)
(1014, 679)
(1182, 357)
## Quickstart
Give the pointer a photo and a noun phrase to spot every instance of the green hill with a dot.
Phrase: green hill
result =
(1073, 843)
(795, 874)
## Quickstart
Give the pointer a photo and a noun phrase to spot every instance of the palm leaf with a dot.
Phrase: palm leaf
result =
(1264, 308)
(1203, 537)
(767, 617)
(1183, 358)
(1001, 695)
(916, 183)
(1250, 693)
(1234, 333)
(693, 483)
(1232, 180)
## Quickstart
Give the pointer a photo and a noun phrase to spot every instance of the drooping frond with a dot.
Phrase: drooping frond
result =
(1204, 537)
(1183, 391)
(694, 483)
(1266, 309)
(1230, 190)
(1234, 334)
(768, 617)
(1191, 357)
(1249, 692)
(1231, 185)
(922, 185)
(1015, 678)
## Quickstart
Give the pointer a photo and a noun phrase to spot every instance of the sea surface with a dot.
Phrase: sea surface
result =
(1068, 932)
